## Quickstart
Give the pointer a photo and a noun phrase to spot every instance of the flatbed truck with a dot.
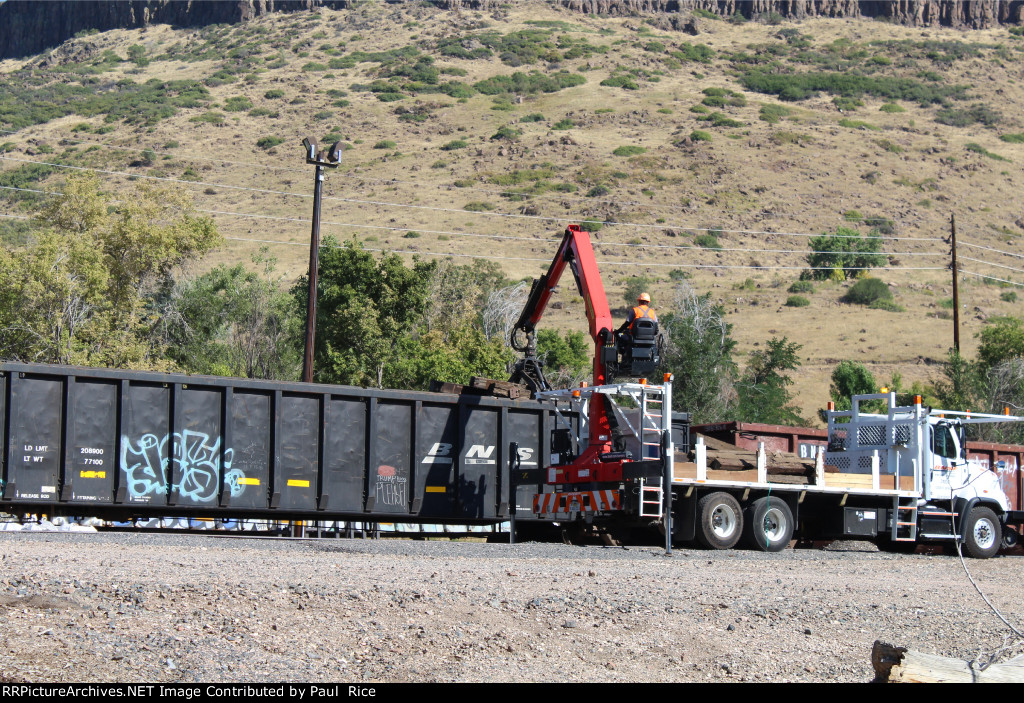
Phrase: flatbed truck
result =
(895, 474)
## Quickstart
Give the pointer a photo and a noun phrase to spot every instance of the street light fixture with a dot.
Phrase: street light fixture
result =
(330, 158)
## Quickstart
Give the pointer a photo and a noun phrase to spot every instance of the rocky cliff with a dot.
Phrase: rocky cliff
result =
(963, 14)
(31, 27)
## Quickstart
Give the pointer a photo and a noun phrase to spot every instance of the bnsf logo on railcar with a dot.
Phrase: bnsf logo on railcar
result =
(440, 453)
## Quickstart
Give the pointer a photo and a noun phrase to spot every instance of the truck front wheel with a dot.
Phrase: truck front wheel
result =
(982, 533)
(719, 521)
(768, 525)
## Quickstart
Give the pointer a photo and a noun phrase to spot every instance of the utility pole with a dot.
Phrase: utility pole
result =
(331, 159)
(956, 287)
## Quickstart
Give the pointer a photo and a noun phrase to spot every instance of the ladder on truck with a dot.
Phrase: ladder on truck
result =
(652, 498)
(904, 519)
(652, 493)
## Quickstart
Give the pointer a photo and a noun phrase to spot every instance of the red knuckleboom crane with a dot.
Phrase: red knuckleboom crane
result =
(599, 461)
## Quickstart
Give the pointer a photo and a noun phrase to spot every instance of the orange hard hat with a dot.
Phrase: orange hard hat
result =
(644, 298)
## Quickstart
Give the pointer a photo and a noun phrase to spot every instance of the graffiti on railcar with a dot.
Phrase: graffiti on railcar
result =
(392, 489)
(197, 463)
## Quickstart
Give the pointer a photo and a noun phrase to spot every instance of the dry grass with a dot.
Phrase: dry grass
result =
(797, 176)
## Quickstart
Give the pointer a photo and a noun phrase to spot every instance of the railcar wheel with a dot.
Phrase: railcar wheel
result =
(719, 521)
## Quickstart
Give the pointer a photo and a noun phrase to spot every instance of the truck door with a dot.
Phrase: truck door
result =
(947, 455)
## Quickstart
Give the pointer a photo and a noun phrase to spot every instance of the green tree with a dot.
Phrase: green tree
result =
(850, 378)
(698, 350)
(762, 391)
(458, 293)
(53, 299)
(233, 322)
(381, 323)
(845, 254)
(1001, 341)
(77, 292)
(635, 285)
(365, 307)
(453, 357)
(991, 383)
(568, 359)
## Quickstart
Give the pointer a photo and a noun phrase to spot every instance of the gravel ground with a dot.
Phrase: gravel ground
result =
(130, 607)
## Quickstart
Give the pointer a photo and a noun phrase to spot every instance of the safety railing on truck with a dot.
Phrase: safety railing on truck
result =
(645, 426)
(643, 418)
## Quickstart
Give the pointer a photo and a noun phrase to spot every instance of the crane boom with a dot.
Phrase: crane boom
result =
(576, 253)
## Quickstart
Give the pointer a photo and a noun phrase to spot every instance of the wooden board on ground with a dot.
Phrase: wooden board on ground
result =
(901, 665)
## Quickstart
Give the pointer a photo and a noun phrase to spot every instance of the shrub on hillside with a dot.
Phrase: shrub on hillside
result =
(239, 103)
(629, 150)
(868, 291)
(707, 241)
(772, 113)
(887, 305)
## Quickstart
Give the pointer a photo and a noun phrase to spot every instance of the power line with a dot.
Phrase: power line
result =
(79, 141)
(639, 264)
(676, 247)
(598, 245)
(384, 181)
(991, 278)
(998, 251)
(355, 201)
(987, 263)
(159, 152)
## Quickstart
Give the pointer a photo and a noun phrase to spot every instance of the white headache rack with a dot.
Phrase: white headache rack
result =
(885, 448)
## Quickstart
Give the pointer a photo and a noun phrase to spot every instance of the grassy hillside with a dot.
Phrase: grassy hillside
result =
(711, 158)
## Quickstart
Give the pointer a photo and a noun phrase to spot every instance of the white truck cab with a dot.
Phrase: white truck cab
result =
(920, 452)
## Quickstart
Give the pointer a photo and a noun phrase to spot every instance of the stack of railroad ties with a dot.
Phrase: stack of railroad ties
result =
(727, 462)
(731, 463)
(479, 385)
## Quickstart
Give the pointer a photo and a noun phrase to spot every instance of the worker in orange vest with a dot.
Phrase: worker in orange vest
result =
(643, 310)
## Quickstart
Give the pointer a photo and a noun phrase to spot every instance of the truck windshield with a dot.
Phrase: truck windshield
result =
(943, 443)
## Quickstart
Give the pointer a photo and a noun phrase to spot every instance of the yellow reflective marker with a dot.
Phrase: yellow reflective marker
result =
(297, 483)
(436, 489)
(92, 474)
(244, 481)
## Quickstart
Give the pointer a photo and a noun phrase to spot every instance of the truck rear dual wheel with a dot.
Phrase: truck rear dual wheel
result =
(719, 521)
(768, 525)
(982, 533)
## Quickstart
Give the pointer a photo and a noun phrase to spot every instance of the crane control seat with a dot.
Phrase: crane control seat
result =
(639, 350)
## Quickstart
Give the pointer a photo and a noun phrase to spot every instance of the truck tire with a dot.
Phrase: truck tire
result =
(1010, 537)
(719, 521)
(768, 525)
(982, 533)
